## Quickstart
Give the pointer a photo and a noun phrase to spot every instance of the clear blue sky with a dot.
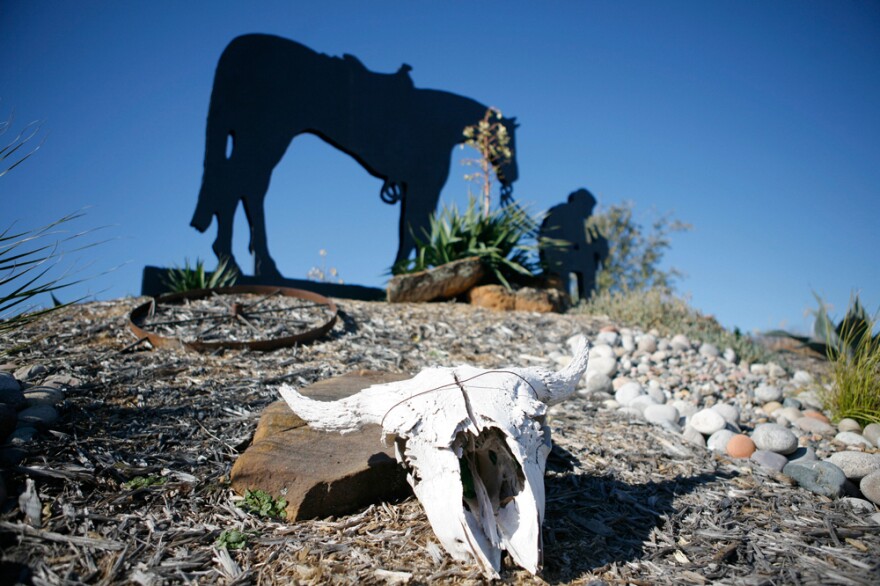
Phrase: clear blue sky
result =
(757, 122)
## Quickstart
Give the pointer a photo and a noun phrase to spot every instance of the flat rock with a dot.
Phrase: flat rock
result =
(443, 282)
(817, 476)
(320, 473)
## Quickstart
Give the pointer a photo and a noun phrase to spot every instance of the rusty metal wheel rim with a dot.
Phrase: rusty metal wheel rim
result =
(139, 315)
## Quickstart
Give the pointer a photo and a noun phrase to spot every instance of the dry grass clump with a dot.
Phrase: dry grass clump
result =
(657, 308)
(855, 375)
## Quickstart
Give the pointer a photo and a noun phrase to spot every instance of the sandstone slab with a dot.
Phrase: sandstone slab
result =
(319, 473)
(443, 282)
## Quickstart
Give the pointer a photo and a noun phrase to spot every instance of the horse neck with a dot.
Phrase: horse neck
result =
(453, 112)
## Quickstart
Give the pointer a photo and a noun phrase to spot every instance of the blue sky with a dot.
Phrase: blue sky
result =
(757, 122)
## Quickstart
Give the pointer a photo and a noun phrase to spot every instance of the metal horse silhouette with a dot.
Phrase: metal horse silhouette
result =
(268, 89)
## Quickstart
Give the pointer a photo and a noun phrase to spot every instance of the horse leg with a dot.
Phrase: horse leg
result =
(419, 201)
(264, 266)
(223, 243)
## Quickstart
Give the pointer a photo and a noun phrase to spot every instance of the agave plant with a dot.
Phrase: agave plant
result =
(830, 340)
(190, 278)
(498, 239)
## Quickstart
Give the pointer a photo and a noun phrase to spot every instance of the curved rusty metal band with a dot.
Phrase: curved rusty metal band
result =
(138, 314)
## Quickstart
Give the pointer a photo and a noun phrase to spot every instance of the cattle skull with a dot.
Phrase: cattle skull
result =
(474, 443)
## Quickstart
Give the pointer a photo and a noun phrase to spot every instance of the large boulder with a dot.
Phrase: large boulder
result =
(523, 299)
(319, 473)
(443, 282)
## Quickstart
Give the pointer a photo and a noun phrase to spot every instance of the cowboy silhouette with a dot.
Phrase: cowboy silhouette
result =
(578, 260)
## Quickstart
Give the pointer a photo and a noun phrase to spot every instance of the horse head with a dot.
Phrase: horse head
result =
(507, 171)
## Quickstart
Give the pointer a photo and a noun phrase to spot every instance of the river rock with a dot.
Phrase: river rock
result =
(320, 473)
(847, 424)
(10, 390)
(41, 416)
(774, 438)
(43, 395)
(850, 438)
(8, 420)
(740, 446)
(628, 392)
(717, 442)
(22, 435)
(729, 412)
(767, 393)
(693, 436)
(661, 413)
(802, 378)
(680, 343)
(29, 373)
(803, 454)
(856, 465)
(769, 460)
(443, 282)
(707, 421)
(820, 477)
(709, 350)
(812, 425)
(598, 383)
(872, 433)
(647, 343)
(870, 487)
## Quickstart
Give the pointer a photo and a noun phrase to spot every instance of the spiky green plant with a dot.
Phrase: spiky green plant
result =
(855, 373)
(190, 278)
(828, 339)
(13, 148)
(29, 261)
(500, 240)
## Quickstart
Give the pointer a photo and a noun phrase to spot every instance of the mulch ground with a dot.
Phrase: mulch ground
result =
(627, 503)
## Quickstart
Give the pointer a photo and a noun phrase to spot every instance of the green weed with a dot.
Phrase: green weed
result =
(190, 278)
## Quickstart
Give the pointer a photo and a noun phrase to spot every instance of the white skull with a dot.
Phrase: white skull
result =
(474, 443)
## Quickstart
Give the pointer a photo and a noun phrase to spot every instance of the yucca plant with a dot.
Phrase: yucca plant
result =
(190, 278)
(27, 261)
(828, 339)
(499, 239)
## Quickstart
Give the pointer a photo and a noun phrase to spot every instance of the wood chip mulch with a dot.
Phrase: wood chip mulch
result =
(627, 503)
